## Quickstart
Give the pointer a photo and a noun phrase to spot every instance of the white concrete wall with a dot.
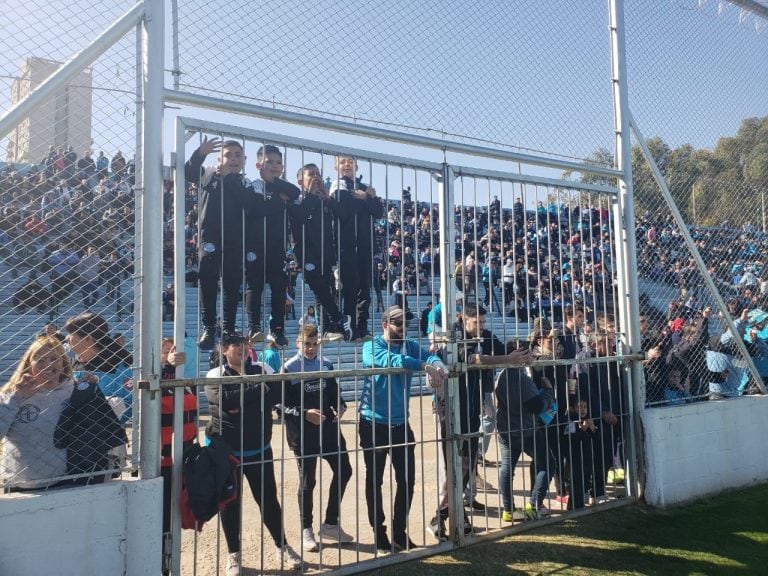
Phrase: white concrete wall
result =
(113, 529)
(704, 448)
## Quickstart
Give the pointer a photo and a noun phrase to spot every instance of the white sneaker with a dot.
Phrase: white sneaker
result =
(288, 558)
(333, 337)
(233, 564)
(308, 540)
(335, 533)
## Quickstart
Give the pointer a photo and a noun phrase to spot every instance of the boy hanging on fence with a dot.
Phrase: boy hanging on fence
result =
(358, 206)
(312, 217)
(266, 234)
(224, 193)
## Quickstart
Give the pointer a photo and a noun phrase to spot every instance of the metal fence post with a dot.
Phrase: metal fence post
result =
(448, 299)
(624, 237)
(152, 238)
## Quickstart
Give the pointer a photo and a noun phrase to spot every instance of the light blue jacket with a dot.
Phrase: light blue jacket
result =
(385, 398)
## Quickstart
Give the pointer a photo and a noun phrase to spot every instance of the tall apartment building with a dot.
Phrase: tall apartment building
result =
(63, 120)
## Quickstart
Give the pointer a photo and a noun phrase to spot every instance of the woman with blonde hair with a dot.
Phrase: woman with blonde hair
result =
(50, 427)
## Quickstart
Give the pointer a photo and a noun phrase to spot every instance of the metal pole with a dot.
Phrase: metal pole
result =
(138, 185)
(392, 136)
(175, 41)
(696, 255)
(453, 472)
(71, 69)
(179, 308)
(626, 250)
(693, 201)
(152, 238)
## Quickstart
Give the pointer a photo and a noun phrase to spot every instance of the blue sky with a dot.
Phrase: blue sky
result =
(528, 74)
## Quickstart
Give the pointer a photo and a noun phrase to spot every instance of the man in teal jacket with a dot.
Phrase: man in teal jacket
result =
(384, 427)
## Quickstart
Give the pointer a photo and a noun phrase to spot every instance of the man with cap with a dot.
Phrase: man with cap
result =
(384, 428)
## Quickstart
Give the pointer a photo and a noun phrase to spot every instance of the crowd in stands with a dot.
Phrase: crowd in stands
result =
(68, 226)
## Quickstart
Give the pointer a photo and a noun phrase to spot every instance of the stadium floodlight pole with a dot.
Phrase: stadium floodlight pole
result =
(624, 239)
(152, 237)
(696, 255)
(71, 69)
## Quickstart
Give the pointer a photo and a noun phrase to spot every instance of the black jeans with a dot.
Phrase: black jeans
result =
(355, 266)
(261, 477)
(338, 460)
(378, 440)
(321, 286)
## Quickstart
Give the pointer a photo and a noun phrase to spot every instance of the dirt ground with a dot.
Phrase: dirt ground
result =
(206, 553)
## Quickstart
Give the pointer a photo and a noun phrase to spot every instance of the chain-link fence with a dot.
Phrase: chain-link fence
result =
(449, 191)
(67, 228)
(498, 74)
(710, 147)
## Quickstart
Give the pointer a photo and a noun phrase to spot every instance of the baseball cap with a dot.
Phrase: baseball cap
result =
(393, 313)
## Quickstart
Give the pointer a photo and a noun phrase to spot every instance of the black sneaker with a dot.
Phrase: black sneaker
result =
(256, 334)
(436, 527)
(403, 543)
(207, 339)
(382, 542)
(280, 340)
(475, 505)
(333, 335)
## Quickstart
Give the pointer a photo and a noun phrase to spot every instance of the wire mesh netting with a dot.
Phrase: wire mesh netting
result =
(323, 255)
(67, 228)
(508, 74)
(708, 135)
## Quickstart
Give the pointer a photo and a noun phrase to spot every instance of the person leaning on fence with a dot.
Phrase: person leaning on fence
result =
(312, 217)
(606, 401)
(250, 421)
(549, 344)
(476, 346)
(51, 426)
(224, 193)
(383, 426)
(98, 353)
(357, 207)
(313, 409)
(170, 358)
(519, 404)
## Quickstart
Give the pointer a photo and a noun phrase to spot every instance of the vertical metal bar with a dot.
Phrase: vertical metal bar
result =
(137, 240)
(179, 307)
(448, 299)
(624, 239)
(152, 167)
(175, 43)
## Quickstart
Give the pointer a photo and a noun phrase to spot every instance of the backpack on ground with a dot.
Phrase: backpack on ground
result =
(209, 482)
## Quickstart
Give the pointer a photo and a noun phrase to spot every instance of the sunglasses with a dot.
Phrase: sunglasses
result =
(396, 323)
